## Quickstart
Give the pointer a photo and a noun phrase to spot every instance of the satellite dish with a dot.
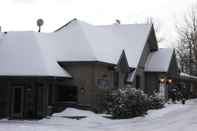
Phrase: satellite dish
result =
(40, 22)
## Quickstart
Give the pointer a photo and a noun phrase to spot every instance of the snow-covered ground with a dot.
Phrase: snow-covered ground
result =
(175, 117)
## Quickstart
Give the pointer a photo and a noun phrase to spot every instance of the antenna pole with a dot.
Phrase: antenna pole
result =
(39, 28)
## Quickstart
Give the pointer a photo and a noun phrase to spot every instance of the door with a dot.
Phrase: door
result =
(66, 93)
(162, 91)
(41, 99)
(17, 102)
(138, 81)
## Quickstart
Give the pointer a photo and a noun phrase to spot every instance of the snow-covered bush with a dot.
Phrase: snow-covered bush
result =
(155, 101)
(130, 102)
(126, 103)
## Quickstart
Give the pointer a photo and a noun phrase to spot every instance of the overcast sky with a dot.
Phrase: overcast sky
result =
(17, 15)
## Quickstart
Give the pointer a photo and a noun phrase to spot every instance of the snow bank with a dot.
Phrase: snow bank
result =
(74, 112)
(153, 114)
(174, 117)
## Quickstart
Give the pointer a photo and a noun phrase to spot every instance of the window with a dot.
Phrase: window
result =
(137, 81)
(103, 84)
(66, 93)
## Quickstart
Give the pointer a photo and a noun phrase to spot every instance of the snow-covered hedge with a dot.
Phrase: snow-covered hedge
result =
(130, 102)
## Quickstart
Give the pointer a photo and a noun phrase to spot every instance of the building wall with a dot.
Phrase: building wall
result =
(173, 70)
(4, 98)
(96, 79)
(152, 83)
(140, 69)
(102, 72)
(33, 93)
(83, 78)
(123, 70)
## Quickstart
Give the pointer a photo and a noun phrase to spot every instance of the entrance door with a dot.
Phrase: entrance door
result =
(162, 90)
(17, 102)
(66, 93)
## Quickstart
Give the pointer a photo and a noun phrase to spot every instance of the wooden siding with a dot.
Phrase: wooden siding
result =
(83, 79)
(141, 65)
(34, 96)
(89, 77)
(152, 83)
(173, 70)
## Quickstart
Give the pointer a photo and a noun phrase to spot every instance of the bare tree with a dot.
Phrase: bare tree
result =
(187, 42)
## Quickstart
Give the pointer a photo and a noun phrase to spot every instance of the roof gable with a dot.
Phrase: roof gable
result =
(152, 40)
(76, 41)
(122, 63)
(104, 43)
(71, 44)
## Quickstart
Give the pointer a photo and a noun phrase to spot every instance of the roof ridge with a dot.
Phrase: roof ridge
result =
(88, 41)
(145, 42)
(36, 37)
(124, 25)
(68, 23)
(45, 59)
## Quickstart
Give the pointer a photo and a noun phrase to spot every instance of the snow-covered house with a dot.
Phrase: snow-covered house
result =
(76, 64)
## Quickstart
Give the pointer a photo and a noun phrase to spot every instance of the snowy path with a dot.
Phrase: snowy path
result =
(175, 117)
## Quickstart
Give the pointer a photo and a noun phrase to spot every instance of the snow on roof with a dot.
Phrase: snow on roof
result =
(185, 75)
(38, 54)
(102, 43)
(159, 61)
(21, 54)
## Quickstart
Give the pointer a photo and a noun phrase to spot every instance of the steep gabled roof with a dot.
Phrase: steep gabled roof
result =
(159, 61)
(102, 43)
(123, 63)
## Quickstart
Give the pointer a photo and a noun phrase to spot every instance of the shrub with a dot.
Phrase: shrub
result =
(155, 102)
(130, 102)
(126, 103)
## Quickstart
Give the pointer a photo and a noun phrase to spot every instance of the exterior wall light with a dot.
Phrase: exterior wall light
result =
(169, 81)
(82, 90)
(162, 80)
